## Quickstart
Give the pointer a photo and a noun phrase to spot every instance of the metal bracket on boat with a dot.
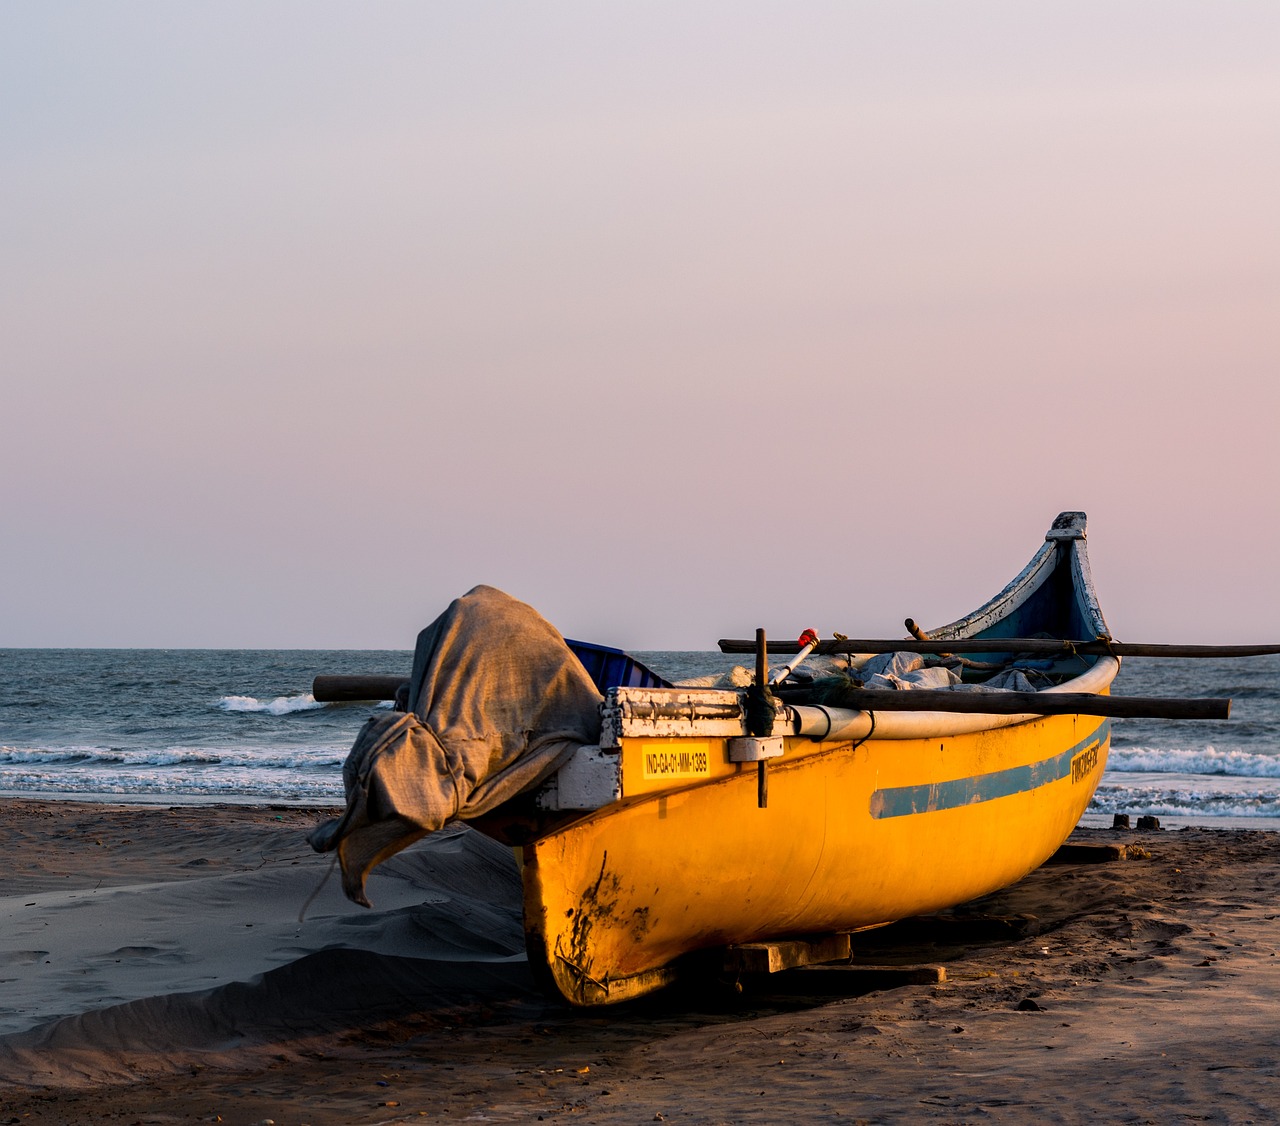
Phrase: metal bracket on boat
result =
(760, 718)
(752, 748)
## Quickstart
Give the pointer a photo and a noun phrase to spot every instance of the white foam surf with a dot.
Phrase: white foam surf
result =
(1207, 760)
(281, 705)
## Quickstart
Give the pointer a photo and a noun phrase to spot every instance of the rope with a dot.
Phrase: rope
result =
(871, 731)
(760, 710)
(848, 656)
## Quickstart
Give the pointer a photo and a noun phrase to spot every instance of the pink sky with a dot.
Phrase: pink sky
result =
(673, 320)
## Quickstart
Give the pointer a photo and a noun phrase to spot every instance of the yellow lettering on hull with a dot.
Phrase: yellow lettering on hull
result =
(1083, 764)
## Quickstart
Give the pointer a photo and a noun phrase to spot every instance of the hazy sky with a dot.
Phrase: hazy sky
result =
(673, 320)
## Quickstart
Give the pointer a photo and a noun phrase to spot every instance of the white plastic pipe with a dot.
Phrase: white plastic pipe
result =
(809, 642)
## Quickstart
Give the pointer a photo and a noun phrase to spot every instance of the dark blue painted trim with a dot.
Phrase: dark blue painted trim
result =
(902, 801)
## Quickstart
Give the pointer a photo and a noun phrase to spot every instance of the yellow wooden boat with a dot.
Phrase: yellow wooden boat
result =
(655, 846)
(667, 823)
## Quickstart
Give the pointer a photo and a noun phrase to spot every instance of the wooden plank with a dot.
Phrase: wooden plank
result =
(841, 979)
(788, 954)
(336, 689)
(1039, 645)
(1097, 854)
(1035, 703)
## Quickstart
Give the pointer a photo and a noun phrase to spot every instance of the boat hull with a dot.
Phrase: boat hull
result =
(854, 835)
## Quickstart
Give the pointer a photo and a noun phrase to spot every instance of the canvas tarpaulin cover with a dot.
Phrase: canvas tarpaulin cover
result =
(497, 702)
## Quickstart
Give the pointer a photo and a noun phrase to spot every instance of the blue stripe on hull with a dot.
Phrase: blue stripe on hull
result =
(902, 801)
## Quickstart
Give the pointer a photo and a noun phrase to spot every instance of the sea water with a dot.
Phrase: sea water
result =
(203, 725)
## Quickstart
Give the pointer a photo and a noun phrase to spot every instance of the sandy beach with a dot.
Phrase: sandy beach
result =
(153, 969)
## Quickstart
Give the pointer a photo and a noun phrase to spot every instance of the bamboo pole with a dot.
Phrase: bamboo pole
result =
(1046, 646)
(349, 689)
(762, 685)
(1037, 703)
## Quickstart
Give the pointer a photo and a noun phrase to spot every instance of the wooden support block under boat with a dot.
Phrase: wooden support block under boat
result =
(789, 954)
(1097, 854)
(840, 979)
(821, 964)
(943, 930)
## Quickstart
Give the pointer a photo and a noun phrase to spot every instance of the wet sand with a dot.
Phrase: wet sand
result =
(153, 969)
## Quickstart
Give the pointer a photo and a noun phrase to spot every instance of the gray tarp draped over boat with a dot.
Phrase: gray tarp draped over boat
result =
(497, 702)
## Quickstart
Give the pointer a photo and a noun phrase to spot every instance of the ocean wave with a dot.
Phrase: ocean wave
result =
(281, 705)
(76, 756)
(311, 758)
(1145, 760)
(291, 788)
(1184, 801)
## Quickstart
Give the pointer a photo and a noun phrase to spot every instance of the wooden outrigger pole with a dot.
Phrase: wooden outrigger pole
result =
(1041, 646)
